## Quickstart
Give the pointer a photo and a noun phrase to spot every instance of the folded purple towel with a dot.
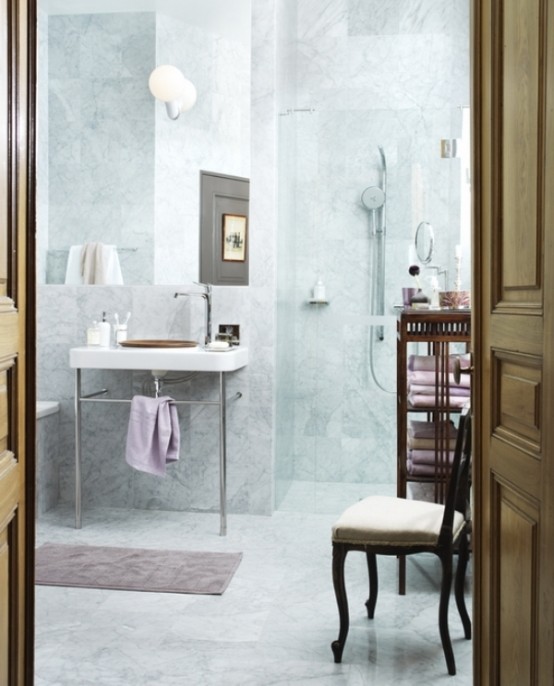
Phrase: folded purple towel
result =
(429, 457)
(429, 363)
(430, 379)
(421, 400)
(153, 437)
(418, 389)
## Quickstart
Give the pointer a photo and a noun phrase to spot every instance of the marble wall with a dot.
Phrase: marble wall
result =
(47, 456)
(117, 169)
(65, 311)
(330, 81)
(213, 136)
(364, 74)
(101, 138)
(193, 483)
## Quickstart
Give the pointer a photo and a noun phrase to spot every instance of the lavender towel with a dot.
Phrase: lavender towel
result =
(421, 400)
(430, 379)
(429, 457)
(153, 436)
(420, 429)
(417, 389)
(428, 363)
(416, 469)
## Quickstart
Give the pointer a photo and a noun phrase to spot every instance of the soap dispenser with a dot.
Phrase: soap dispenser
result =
(93, 334)
(319, 291)
(105, 331)
(435, 292)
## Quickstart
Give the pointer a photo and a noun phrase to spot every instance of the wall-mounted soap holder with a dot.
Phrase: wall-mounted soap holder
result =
(229, 333)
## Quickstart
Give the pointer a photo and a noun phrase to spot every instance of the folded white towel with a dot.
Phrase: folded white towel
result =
(153, 437)
(73, 273)
(100, 265)
(88, 263)
(107, 265)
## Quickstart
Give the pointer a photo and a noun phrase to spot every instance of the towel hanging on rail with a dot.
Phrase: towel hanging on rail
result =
(93, 263)
(153, 437)
(100, 264)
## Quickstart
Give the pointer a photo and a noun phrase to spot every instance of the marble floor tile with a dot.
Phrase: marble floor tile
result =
(273, 625)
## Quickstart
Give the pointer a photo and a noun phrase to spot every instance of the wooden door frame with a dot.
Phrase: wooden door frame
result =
(487, 230)
(23, 282)
(477, 260)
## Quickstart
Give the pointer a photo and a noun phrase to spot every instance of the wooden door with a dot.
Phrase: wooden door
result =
(17, 415)
(513, 181)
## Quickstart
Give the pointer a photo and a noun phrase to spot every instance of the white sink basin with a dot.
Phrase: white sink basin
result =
(168, 359)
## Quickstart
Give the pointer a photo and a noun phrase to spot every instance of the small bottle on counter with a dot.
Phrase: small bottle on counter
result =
(105, 330)
(93, 334)
(319, 291)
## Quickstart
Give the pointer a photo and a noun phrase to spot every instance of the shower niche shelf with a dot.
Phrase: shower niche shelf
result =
(430, 344)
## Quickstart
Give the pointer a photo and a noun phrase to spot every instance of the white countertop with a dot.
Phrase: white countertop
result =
(168, 359)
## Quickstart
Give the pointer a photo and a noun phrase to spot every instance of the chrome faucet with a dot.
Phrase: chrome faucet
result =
(207, 295)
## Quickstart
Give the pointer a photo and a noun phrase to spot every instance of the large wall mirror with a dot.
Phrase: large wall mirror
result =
(112, 167)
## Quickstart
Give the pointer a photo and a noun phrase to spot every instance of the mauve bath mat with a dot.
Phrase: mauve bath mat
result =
(135, 569)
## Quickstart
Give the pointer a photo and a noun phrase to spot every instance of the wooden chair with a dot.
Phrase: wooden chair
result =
(381, 525)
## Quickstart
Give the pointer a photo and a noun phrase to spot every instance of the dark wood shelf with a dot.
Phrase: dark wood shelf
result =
(438, 331)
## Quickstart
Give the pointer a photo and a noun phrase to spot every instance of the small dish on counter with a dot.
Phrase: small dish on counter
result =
(218, 346)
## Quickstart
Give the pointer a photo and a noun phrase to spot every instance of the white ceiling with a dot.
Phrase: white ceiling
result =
(226, 17)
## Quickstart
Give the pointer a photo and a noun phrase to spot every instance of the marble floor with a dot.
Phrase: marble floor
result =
(273, 625)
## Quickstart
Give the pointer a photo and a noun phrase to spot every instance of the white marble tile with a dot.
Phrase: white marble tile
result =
(274, 623)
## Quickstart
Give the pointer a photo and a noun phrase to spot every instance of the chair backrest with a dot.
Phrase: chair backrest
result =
(458, 485)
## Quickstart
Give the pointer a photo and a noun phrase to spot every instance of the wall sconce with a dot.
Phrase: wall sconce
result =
(168, 84)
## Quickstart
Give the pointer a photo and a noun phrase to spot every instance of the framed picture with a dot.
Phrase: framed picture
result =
(224, 229)
(233, 237)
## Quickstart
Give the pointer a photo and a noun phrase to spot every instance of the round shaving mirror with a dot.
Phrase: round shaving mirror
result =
(424, 242)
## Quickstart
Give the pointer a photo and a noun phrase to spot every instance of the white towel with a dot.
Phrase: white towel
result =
(88, 263)
(153, 437)
(111, 269)
(100, 265)
(73, 274)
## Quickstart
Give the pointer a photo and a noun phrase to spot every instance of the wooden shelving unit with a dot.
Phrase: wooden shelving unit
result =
(430, 339)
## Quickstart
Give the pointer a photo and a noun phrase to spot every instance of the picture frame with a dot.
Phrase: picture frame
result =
(233, 237)
(221, 194)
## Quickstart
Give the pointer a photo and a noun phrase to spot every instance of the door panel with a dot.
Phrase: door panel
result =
(517, 554)
(518, 142)
(4, 627)
(513, 330)
(17, 406)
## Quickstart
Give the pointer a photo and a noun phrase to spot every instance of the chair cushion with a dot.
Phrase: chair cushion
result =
(384, 520)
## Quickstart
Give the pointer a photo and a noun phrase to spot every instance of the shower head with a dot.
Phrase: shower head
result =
(373, 198)
(383, 159)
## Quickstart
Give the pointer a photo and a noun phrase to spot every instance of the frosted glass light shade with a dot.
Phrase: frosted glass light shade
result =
(188, 96)
(166, 83)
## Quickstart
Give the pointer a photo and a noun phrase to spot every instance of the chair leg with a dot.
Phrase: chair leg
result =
(446, 586)
(459, 583)
(339, 556)
(373, 583)
(401, 575)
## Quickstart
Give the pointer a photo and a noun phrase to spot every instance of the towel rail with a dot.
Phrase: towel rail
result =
(90, 398)
(94, 398)
(63, 251)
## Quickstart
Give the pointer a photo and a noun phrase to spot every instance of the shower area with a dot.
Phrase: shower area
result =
(373, 140)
